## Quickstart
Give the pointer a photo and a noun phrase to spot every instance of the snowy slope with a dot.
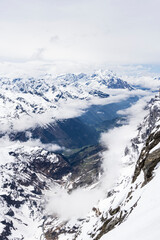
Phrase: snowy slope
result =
(123, 202)
(143, 222)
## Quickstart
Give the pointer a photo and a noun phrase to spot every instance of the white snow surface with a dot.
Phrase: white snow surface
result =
(143, 222)
(140, 216)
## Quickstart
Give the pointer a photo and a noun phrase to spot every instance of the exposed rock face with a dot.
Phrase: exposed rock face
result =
(25, 178)
(26, 173)
(143, 155)
(43, 162)
(149, 156)
(22, 183)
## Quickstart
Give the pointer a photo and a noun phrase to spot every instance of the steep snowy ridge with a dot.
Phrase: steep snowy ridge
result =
(122, 200)
(142, 156)
(149, 156)
(143, 223)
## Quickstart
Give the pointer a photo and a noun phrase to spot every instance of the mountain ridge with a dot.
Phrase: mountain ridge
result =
(29, 171)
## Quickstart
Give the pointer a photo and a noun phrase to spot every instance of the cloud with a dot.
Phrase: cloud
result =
(71, 205)
(54, 39)
(6, 145)
(38, 54)
(91, 32)
(117, 139)
(13, 119)
(37, 143)
(145, 81)
(79, 202)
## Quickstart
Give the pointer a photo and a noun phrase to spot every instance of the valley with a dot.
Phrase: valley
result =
(71, 156)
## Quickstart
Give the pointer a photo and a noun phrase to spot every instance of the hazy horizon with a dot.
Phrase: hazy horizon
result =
(74, 36)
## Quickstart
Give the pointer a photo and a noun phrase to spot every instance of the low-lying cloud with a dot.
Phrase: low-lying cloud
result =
(72, 205)
(6, 145)
(117, 139)
(79, 202)
(145, 82)
(17, 115)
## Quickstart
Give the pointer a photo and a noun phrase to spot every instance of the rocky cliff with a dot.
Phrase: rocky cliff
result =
(142, 156)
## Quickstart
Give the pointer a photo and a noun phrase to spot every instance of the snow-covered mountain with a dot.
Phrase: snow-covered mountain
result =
(47, 108)
(26, 173)
(140, 167)
(29, 102)
(30, 171)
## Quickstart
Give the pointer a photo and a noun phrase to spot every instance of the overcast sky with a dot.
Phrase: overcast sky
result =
(80, 31)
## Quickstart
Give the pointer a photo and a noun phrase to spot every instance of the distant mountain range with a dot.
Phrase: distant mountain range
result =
(49, 136)
(43, 105)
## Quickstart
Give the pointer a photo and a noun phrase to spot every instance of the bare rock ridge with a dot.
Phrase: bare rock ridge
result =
(150, 155)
